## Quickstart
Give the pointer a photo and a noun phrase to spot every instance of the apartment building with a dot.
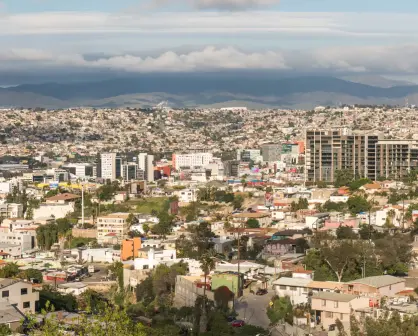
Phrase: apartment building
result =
(330, 150)
(19, 293)
(146, 164)
(112, 228)
(11, 210)
(80, 170)
(396, 158)
(191, 161)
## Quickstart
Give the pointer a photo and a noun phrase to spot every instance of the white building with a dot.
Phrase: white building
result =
(110, 166)
(11, 210)
(154, 259)
(295, 288)
(80, 170)
(19, 293)
(186, 195)
(10, 251)
(146, 164)
(74, 288)
(193, 160)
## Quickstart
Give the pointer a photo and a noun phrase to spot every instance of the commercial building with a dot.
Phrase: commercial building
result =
(271, 152)
(231, 168)
(191, 161)
(330, 150)
(248, 155)
(110, 166)
(80, 170)
(130, 171)
(146, 164)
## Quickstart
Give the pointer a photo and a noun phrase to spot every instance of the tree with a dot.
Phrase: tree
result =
(340, 328)
(32, 273)
(92, 301)
(116, 269)
(11, 270)
(252, 223)
(339, 255)
(358, 183)
(48, 297)
(357, 204)
(5, 330)
(281, 310)
(207, 264)
(343, 177)
(145, 291)
(47, 235)
(222, 297)
(238, 202)
(346, 232)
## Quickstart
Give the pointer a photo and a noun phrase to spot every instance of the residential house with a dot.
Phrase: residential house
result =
(57, 206)
(263, 218)
(280, 247)
(74, 288)
(295, 288)
(19, 293)
(288, 234)
(375, 286)
(329, 307)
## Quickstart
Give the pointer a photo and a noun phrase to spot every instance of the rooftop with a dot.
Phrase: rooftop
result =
(295, 282)
(334, 296)
(63, 197)
(378, 281)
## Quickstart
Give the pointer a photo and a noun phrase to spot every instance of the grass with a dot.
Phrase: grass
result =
(146, 205)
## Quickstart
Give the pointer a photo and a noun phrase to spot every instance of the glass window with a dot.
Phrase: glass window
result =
(283, 287)
(5, 294)
(324, 303)
(335, 304)
(26, 304)
(328, 314)
(23, 291)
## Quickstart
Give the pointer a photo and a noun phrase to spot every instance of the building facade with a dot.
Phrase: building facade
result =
(191, 161)
(110, 166)
(112, 228)
(330, 150)
(271, 152)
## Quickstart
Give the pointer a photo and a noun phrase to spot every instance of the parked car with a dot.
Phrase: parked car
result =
(238, 323)
(261, 291)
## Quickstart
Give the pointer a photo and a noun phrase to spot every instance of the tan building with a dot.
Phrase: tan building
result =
(113, 228)
(19, 293)
(375, 286)
(263, 218)
(330, 150)
(329, 307)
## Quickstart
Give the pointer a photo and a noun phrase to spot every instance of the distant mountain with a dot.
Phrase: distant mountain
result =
(206, 89)
(375, 80)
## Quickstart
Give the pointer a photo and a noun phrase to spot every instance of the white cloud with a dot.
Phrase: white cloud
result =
(168, 23)
(376, 59)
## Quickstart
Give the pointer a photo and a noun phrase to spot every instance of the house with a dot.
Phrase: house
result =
(375, 286)
(57, 206)
(280, 247)
(19, 293)
(10, 315)
(74, 288)
(154, 258)
(113, 228)
(232, 280)
(325, 286)
(288, 234)
(329, 307)
(295, 288)
(263, 218)
(130, 247)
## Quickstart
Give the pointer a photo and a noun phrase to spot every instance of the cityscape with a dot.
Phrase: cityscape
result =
(208, 167)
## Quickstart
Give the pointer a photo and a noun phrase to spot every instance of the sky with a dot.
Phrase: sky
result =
(134, 36)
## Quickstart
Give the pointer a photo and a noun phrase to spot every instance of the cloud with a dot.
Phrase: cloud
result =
(371, 59)
(381, 25)
(232, 5)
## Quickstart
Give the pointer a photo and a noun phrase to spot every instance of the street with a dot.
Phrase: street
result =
(253, 309)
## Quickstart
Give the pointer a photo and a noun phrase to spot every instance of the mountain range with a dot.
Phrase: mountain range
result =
(211, 90)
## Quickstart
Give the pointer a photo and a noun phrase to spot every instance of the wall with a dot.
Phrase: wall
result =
(84, 233)
(15, 296)
(56, 210)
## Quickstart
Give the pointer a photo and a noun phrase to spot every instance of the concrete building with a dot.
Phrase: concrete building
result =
(271, 152)
(113, 228)
(231, 168)
(130, 171)
(191, 161)
(74, 288)
(154, 258)
(331, 306)
(188, 289)
(19, 293)
(57, 206)
(396, 158)
(11, 210)
(375, 286)
(80, 170)
(129, 248)
(296, 289)
(186, 195)
(110, 166)
(146, 164)
(330, 150)
(10, 250)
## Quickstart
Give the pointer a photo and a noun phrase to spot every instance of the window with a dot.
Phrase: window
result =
(26, 304)
(23, 291)
(283, 287)
(292, 288)
(341, 316)
(328, 314)
(305, 290)
(335, 304)
(324, 303)
(5, 294)
(350, 287)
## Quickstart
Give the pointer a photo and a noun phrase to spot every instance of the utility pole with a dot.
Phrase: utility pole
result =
(82, 206)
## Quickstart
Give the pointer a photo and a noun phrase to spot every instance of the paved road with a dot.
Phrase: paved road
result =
(253, 309)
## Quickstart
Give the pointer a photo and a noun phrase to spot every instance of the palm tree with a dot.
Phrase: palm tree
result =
(391, 216)
(207, 264)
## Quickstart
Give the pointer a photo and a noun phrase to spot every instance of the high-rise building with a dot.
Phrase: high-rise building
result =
(248, 155)
(231, 168)
(396, 158)
(330, 150)
(146, 164)
(110, 166)
(130, 171)
(191, 160)
(271, 152)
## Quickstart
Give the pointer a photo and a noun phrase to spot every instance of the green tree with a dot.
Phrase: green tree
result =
(11, 270)
(281, 310)
(32, 273)
(5, 330)
(116, 269)
(92, 301)
(343, 177)
(47, 235)
(346, 232)
(252, 223)
(357, 204)
(207, 264)
(238, 202)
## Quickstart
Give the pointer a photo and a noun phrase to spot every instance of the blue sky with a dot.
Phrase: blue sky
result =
(336, 36)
